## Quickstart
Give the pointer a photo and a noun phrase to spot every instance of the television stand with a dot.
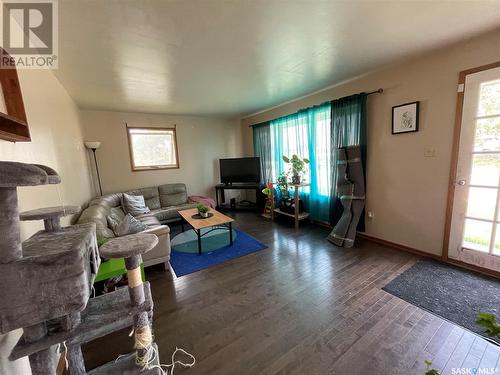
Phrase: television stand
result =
(221, 203)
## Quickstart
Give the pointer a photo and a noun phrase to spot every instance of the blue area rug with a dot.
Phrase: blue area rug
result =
(185, 263)
(187, 241)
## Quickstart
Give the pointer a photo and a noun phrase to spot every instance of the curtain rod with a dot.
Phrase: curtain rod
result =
(378, 91)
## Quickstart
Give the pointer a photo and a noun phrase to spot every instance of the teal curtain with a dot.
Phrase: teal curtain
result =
(314, 133)
(306, 134)
(262, 148)
(348, 128)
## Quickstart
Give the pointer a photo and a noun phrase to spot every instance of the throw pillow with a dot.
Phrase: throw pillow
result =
(117, 212)
(113, 222)
(134, 204)
(129, 225)
(114, 218)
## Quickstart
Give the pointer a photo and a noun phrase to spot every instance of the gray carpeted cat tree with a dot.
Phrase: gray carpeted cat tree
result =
(351, 191)
(46, 283)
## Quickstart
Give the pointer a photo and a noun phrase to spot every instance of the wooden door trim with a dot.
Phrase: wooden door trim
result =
(455, 151)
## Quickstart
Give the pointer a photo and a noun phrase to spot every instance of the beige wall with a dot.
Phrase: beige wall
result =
(201, 142)
(406, 191)
(57, 142)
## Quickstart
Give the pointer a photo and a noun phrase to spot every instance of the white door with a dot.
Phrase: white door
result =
(475, 231)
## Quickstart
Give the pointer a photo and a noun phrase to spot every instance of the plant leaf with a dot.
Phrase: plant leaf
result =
(432, 372)
(489, 323)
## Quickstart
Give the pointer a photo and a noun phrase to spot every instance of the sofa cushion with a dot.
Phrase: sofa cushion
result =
(115, 217)
(151, 196)
(134, 204)
(109, 200)
(153, 203)
(168, 213)
(149, 219)
(113, 222)
(97, 214)
(172, 194)
(185, 206)
(129, 225)
(165, 213)
(117, 213)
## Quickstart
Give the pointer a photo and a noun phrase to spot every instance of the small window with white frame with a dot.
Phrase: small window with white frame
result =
(152, 148)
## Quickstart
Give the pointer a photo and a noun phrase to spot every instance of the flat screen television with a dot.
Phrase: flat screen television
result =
(240, 170)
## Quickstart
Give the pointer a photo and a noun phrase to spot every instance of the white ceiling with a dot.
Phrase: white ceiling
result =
(227, 58)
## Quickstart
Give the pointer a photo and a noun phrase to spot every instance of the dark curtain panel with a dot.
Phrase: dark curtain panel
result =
(262, 149)
(348, 128)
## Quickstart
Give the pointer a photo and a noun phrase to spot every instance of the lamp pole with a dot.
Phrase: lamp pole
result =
(94, 145)
(97, 170)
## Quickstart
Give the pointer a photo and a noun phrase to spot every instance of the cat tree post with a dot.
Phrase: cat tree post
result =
(42, 362)
(76, 363)
(143, 337)
(10, 246)
(131, 247)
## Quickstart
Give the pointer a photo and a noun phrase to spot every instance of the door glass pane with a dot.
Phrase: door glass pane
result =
(487, 137)
(477, 235)
(489, 99)
(481, 203)
(496, 248)
(485, 169)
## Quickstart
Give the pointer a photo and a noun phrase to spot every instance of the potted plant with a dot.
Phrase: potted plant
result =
(203, 210)
(297, 167)
(282, 183)
(429, 370)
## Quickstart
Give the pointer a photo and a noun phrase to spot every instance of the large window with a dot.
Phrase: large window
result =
(152, 148)
(307, 135)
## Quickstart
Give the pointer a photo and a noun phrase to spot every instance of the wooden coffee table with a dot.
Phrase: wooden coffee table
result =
(217, 221)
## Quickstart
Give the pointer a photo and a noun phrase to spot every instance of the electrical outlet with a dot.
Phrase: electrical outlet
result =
(429, 152)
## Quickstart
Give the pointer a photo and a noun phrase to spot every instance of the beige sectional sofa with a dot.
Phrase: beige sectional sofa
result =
(164, 201)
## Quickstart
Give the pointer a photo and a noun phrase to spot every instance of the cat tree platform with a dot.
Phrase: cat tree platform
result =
(51, 216)
(104, 314)
(47, 280)
(125, 366)
(36, 277)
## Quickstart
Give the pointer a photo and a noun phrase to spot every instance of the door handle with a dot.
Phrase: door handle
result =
(461, 182)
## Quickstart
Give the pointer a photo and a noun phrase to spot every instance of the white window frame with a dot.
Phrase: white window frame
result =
(151, 167)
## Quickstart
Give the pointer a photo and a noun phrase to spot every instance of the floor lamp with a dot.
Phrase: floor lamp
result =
(94, 146)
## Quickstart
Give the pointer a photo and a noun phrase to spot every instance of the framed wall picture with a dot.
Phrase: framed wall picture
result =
(405, 118)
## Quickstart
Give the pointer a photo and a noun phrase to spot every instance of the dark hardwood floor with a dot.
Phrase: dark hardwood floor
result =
(302, 306)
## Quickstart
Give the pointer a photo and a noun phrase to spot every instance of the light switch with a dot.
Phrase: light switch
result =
(429, 152)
